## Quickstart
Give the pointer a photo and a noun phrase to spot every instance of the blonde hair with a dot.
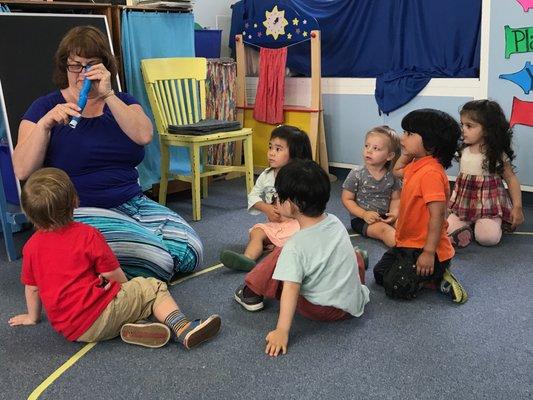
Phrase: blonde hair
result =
(394, 142)
(49, 198)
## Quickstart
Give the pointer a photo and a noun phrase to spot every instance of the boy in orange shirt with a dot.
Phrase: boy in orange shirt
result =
(423, 251)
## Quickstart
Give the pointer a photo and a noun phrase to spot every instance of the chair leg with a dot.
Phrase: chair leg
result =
(249, 163)
(205, 180)
(195, 182)
(163, 182)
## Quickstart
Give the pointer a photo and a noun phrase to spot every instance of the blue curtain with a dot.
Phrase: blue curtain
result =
(402, 43)
(155, 35)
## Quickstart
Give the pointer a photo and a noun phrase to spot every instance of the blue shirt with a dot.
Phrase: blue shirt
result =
(98, 156)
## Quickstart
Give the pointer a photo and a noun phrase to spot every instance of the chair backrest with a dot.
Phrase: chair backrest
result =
(176, 90)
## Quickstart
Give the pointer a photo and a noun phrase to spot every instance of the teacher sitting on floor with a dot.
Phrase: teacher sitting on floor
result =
(100, 156)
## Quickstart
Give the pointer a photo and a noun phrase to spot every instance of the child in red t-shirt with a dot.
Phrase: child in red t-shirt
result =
(423, 251)
(69, 268)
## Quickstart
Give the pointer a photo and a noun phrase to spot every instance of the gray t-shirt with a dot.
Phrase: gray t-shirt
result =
(321, 258)
(371, 194)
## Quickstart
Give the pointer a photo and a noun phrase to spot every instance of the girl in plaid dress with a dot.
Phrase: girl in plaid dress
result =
(480, 206)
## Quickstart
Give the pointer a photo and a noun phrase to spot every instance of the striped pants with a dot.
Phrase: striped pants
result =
(149, 239)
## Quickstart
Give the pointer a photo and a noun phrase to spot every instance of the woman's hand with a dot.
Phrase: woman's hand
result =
(101, 79)
(517, 217)
(60, 114)
(371, 216)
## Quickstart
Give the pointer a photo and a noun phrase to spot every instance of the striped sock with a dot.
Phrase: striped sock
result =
(176, 321)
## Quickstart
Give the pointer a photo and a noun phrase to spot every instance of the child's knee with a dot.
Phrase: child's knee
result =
(488, 232)
(257, 234)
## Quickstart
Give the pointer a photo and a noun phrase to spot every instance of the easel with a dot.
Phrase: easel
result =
(310, 119)
(11, 216)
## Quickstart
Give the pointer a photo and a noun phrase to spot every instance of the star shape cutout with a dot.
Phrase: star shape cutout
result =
(304, 22)
(295, 21)
(304, 34)
(275, 22)
(289, 36)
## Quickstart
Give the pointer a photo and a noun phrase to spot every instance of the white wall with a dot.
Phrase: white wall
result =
(215, 14)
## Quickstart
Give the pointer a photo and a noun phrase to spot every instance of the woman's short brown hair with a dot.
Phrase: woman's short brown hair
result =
(82, 41)
(49, 198)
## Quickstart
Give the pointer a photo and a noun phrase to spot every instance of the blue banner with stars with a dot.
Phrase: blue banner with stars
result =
(403, 44)
(278, 27)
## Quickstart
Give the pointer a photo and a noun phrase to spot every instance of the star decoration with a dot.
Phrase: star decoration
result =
(289, 36)
(304, 22)
(259, 34)
(246, 25)
(244, 33)
(295, 21)
(297, 31)
(255, 25)
(275, 22)
(304, 34)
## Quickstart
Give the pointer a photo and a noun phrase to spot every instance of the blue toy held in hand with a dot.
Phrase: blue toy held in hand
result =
(82, 101)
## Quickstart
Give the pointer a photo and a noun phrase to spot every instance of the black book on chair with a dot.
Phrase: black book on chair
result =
(205, 127)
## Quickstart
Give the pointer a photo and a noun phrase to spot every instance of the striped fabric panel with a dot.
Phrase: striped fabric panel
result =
(178, 236)
(148, 239)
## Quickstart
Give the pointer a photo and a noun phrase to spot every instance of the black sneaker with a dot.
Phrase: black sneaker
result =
(253, 303)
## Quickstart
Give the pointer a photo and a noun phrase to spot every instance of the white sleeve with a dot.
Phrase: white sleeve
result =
(257, 193)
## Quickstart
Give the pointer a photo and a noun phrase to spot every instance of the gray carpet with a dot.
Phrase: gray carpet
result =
(425, 349)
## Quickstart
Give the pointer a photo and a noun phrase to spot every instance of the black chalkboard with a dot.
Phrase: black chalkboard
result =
(27, 47)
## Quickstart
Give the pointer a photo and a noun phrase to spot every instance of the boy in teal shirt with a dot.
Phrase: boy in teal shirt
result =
(316, 272)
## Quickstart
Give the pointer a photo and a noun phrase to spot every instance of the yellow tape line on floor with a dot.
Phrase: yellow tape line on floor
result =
(72, 360)
(201, 272)
(58, 372)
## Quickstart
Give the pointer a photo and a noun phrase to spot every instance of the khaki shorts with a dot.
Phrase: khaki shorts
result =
(135, 301)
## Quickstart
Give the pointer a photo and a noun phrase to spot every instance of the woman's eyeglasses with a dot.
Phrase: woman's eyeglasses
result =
(77, 68)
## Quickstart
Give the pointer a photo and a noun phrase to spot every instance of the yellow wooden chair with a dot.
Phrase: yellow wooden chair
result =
(176, 90)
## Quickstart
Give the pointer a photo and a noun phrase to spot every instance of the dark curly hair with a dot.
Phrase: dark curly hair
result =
(440, 132)
(497, 133)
